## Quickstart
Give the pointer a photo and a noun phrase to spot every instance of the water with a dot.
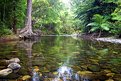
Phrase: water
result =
(62, 58)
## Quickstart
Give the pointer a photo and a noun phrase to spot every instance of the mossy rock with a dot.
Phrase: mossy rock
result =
(109, 80)
(76, 68)
(94, 68)
(26, 77)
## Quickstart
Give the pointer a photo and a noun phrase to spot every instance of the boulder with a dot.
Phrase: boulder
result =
(14, 66)
(13, 60)
(94, 68)
(5, 72)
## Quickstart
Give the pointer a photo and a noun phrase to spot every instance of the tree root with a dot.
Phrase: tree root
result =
(27, 34)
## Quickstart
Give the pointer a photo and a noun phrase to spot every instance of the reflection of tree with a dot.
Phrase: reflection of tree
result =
(27, 45)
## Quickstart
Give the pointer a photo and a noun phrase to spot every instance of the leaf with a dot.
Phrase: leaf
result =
(98, 18)
(92, 24)
(105, 26)
(94, 29)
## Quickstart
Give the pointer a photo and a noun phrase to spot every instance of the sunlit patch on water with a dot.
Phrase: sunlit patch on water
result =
(35, 76)
(66, 74)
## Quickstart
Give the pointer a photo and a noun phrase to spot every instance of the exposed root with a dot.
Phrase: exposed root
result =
(27, 34)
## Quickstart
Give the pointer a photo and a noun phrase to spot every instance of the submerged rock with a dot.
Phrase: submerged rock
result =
(94, 68)
(84, 73)
(14, 66)
(110, 74)
(36, 68)
(26, 77)
(110, 80)
(5, 72)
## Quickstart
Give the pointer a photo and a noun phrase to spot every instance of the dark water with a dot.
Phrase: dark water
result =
(63, 59)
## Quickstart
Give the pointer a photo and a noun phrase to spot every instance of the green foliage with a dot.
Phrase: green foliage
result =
(116, 16)
(99, 15)
(12, 15)
(109, 1)
(53, 16)
(99, 23)
(4, 30)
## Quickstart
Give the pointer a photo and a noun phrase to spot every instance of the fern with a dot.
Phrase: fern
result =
(99, 23)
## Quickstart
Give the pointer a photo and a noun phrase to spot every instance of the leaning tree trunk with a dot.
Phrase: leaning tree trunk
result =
(27, 31)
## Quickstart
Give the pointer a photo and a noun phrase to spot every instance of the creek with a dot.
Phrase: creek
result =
(62, 58)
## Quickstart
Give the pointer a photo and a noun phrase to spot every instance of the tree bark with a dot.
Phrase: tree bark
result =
(27, 31)
(14, 21)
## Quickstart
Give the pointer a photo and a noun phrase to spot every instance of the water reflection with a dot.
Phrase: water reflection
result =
(65, 73)
(35, 76)
(73, 60)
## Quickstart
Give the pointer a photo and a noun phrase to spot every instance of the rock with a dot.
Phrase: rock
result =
(85, 74)
(36, 68)
(14, 66)
(109, 80)
(45, 70)
(114, 70)
(110, 74)
(40, 74)
(94, 61)
(84, 67)
(107, 71)
(76, 68)
(55, 73)
(94, 68)
(13, 60)
(26, 77)
(117, 77)
(5, 72)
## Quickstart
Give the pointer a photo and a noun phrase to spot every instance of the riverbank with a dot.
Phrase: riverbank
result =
(102, 39)
(8, 38)
(84, 36)
(109, 39)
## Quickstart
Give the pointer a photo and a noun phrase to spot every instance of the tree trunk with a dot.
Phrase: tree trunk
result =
(14, 21)
(27, 31)
(100, 32)
(14, 25)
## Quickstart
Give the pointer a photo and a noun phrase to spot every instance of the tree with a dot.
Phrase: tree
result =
(12, 13)
(87, 10)
(27, 31)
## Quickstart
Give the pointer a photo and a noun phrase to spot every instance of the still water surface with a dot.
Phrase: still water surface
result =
(62, 58)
